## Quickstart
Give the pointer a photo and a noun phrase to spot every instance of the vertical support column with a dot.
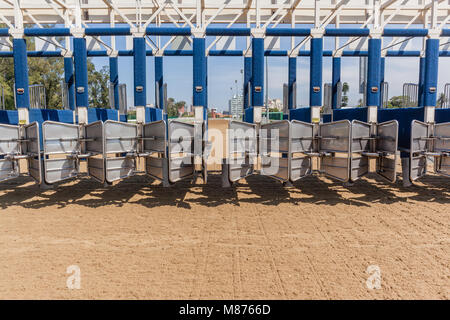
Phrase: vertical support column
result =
(315, 74)
(139, 76)
(69, 81)
(335, 80)
(199, 72)
(431, 74)
(257, 72)
(292, 80)
(373, 77)
(81, 77)
(21, 79)
(382, 70)
(421, 91)
(114, 80)
(159, 82)
(247, 80)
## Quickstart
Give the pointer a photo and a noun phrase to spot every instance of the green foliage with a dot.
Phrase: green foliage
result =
(345, 89)
(441, 100)
(395, 102)
(173, 107)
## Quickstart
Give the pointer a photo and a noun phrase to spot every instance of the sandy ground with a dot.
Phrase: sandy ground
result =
(258, 240)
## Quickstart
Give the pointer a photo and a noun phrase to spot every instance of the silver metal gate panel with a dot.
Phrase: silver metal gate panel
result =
(37, 96)
(301, 145)
(32, 147)
(442, 145)
(61, 145)
(181, 150)
(120, 138)
(386, 146)
(242, 146)
(384, 93)
(327, 98)
(9, 145)
(419, 142)
(334, 147)
(274, 149)
(360, 144)
(154, 141)
(410, 95)
(446, 102)
(123, 107)
(94, 146)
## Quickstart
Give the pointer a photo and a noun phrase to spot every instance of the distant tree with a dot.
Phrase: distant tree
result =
(345, 89)
(396, 102)
(98, 81)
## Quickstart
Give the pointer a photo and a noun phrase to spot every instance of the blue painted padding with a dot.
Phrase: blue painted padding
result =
(292, 79)
(153, 114)
(248, 115)
(123, 118)
(96, 114)
(315, 72)
(159, 79)
(81, 76)
(199, 72)
(247, 80)
(442, 115)
(404, 116)
(257, 72)
(9, 117)
(335, 79)
(139, 66)
(70, 81)
(373, 73)
(326, 118)
(21, 73)
(431, 71)
(350, 114)
(421, 96)
(300, 114)
(114, 79)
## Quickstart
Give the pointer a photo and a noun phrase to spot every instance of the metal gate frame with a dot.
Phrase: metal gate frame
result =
(282, 159)
(154, 141)
(243, 163)
(303, 163)
(329, 163)
(124, 151)
(9, 149)
(183, 164)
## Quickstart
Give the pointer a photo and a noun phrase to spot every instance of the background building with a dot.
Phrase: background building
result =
(236, 106)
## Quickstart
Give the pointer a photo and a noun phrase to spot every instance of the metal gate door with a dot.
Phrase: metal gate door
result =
(360, 144)
(442, 145)
(181, 150)
(301, 148)
(386, 147)
(242, 148)
(9, 146)
(120, 138)
(419, 144)
(94, 148)
(61, 146)
(32, 148)
(274, 150)
(334, 149)
(154, 146)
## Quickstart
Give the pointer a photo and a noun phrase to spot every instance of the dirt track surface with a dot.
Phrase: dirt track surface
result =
(257, 240)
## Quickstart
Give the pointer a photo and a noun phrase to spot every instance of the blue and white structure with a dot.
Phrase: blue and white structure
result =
(362, 133)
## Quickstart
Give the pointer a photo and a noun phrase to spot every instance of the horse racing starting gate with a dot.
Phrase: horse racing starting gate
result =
(286, 150)
(174, 150)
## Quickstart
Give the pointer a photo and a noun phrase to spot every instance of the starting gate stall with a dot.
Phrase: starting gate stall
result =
(65, 145)
(241, 152)
(17, 143)
(429, 140)
(274, 149)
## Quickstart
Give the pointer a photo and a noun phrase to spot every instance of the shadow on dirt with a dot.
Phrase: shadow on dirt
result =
(146, 192)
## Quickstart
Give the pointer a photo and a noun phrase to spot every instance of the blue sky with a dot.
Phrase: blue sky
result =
(223, 71)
